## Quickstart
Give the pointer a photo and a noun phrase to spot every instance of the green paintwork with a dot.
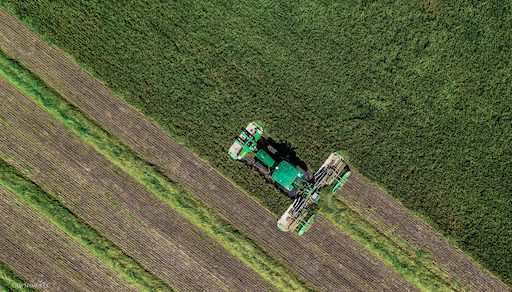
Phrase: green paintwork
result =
(301, 214)
(342, 181)
(265, 158)
(305, 225)
(247, 142)
(285, 174)
(257, 135)
(232, 156)
(248, 148)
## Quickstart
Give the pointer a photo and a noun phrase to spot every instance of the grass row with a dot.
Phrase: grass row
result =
(80, 231)
(412, 264)
(416, 91)
(151, 178)
(9, 281)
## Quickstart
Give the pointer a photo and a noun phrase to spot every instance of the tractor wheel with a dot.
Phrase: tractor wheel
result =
(290, 194)
(250, 160)
(262, 169)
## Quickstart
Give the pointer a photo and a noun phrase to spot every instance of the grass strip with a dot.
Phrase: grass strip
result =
(10, 281)
(151, 178)
(412, 264)
(79, 230)
(4, 287)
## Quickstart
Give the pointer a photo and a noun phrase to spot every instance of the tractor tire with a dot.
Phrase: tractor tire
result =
(262, 169)
(290, 194)
(250, 160)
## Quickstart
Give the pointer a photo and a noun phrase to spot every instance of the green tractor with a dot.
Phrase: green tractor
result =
(252, 147)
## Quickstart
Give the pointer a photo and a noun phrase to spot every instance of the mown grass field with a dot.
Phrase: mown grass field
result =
(411, 263)
(416, 93)
(147, 175)
(80, 231)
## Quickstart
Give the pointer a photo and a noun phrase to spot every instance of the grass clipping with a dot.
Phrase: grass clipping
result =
(80, 231)
(151, 178)
(412, 264)
(9, 281)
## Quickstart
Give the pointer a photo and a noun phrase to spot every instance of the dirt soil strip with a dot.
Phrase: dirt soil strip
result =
(378, 205)
(45, 256)
(110, 201)
(326, 257)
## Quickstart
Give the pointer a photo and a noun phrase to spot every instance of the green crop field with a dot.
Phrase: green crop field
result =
(416, 92)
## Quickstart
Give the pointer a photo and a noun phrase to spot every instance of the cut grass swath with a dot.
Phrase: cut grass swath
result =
(9, 281)
(79, 230)
(151, 178)
(411, 263)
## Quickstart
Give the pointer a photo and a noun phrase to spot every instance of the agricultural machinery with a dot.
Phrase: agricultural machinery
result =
(255, 149)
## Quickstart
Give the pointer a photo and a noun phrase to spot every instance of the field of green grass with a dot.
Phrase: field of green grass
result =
(416, 92)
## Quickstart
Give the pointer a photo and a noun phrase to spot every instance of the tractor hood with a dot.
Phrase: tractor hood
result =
(285, 174)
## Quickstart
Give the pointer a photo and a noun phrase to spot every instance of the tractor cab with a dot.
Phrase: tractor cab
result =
(287, 176)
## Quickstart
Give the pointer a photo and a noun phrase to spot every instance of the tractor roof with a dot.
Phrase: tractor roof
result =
(285, 174)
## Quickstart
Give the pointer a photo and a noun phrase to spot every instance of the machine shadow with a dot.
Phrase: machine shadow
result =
(284, 151)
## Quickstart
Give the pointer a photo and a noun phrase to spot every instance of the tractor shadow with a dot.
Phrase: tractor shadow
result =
(283, 151)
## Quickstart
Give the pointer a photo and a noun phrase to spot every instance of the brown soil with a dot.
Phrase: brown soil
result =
(47, 258)
(110, 201)
(379, 206)
(325, 257)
